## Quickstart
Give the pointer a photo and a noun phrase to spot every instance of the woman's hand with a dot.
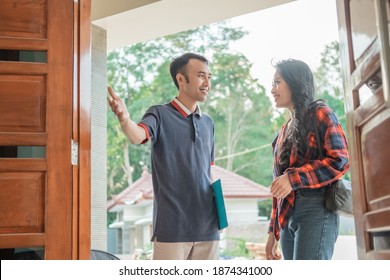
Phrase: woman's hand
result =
(272, 249)
(281, 186)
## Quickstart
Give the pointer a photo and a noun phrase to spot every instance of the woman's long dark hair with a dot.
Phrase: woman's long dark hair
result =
(299, 79)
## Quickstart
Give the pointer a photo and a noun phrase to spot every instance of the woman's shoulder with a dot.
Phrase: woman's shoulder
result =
(325, 114)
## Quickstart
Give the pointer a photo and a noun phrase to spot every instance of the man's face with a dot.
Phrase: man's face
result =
(196, 82)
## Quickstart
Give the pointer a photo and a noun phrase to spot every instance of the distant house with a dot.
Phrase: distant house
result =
(133, 208)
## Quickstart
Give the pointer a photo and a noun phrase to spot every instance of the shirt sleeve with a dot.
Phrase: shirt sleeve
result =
(150, 122)
(274, 201)
(273, 216)
(334, 164)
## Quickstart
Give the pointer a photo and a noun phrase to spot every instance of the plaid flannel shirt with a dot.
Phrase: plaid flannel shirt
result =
(314, 173)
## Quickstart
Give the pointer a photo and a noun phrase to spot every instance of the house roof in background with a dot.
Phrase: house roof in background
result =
(233, 186)
(237, 186)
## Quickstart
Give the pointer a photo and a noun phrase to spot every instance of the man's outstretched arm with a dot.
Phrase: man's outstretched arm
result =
(134, 132)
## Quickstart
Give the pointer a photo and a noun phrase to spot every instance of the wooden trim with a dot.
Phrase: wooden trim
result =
(369, 64)
(75, 135)
(22, 165)
(376, 221)
(22, 240)
(344, 32)
(24, 44)
(348, 27)
(58, 224)
(369, 109)
(379, 255)
(380, 203)
(383, 35)
(85, 130)
(21, 139)
(23, 68)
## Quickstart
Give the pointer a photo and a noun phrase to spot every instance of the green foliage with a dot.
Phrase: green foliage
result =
(110, 218)
(328, 78)
(265, 207)
(242, 113)
(237, 249)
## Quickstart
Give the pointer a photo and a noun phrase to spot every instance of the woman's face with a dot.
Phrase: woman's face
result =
(281, 93)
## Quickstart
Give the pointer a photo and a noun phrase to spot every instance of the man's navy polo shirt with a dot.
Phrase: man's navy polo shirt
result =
(182, 155)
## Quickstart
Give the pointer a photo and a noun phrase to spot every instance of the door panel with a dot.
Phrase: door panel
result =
(23, 105)
(375, 136)
(364, 47)
(363, 29)
(25, 196)
(36, 91)
(23, 19)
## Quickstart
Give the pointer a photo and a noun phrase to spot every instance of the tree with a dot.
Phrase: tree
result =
(242, 113)
(328, 79)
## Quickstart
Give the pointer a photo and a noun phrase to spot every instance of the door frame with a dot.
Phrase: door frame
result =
(81, 245)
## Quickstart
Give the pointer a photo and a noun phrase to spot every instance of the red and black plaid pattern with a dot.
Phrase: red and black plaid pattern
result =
(314, 173)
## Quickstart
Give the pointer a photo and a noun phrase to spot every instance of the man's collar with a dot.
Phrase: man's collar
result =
(183, 109)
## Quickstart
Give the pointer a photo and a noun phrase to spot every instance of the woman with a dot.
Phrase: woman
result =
(299, 219)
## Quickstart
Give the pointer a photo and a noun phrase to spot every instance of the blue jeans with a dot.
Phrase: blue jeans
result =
(311, 231)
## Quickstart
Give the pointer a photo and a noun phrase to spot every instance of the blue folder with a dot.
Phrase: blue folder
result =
(220, 204)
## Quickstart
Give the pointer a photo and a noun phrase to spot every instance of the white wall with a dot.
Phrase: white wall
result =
(98, 140)
(241, 211)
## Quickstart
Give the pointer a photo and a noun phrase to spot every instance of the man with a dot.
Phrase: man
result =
(185, 223)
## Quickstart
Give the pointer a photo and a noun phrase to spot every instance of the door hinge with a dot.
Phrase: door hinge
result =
(75, 152)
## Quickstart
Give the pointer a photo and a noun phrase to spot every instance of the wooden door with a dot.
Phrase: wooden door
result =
(39, 185)
(365, 59)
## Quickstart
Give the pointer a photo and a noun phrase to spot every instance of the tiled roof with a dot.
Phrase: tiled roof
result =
(233, 186)
(139, 190)
(237, 186)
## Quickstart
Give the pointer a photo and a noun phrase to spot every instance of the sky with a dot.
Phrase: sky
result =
(298, 30)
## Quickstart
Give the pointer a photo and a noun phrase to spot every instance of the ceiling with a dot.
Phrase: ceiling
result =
(131, 21)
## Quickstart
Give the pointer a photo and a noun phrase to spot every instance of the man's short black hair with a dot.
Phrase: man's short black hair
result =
(178, 65)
